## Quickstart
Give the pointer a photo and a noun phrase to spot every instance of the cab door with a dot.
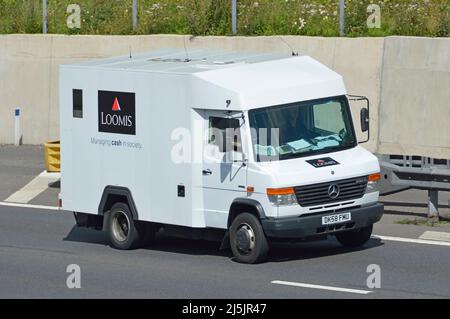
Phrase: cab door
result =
(224, 165)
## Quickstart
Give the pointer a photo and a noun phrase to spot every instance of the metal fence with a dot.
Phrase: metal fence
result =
(234, 16)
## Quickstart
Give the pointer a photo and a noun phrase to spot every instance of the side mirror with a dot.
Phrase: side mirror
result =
(364, 114)
(364, 119)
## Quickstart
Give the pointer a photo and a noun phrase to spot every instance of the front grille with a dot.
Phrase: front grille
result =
(317, 194)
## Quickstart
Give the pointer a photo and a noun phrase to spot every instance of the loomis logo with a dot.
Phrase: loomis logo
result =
(323, 162)
(116, 105)
(117, 112)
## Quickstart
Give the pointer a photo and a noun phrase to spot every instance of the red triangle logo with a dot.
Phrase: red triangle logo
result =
(116, 105)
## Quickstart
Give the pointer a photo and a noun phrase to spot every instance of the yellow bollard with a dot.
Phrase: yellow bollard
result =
(53, 156)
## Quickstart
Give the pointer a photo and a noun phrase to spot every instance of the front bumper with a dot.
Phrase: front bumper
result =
(311, 225)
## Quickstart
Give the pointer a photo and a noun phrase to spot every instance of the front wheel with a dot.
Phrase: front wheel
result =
(247, 239)
(355, 238)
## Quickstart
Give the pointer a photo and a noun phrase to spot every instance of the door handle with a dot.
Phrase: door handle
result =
(207, 172)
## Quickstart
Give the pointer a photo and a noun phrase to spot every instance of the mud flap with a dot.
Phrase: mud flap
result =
(225, 242)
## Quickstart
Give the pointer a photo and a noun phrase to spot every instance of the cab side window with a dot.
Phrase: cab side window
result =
(225, 134)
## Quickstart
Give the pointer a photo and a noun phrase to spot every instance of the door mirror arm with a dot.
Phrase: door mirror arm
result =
(242, 158)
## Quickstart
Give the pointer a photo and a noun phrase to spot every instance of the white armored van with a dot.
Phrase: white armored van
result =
(251, 147)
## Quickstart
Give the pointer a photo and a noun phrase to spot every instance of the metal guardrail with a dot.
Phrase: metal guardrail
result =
(415, 172)
(400, 172)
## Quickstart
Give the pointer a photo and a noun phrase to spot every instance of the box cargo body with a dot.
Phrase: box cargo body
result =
(138, 130)
(142, 162)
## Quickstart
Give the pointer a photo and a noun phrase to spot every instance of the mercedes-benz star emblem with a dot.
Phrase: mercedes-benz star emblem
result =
(333, 191)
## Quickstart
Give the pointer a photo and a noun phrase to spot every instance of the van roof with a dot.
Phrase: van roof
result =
(180, 61)
(249, 80)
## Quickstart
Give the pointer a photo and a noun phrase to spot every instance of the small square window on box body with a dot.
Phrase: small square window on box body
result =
(77, 103)
(181, 191)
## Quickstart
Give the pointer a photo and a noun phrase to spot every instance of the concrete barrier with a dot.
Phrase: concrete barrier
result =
(414, 114)
(29, 74)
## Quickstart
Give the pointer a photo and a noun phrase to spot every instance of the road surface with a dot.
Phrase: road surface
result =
(37, 245)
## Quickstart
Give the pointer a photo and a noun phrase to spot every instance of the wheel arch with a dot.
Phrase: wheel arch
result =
(117, 194)
(245, 205)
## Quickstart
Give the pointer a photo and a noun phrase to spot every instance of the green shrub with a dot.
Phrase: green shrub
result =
(213, 17)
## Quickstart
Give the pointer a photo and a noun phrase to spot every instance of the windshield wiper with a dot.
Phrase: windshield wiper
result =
(326, 150)
(298, 154)
(332, 149)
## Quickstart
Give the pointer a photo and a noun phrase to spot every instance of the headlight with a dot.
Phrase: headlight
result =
(282, 196)
(372, 184)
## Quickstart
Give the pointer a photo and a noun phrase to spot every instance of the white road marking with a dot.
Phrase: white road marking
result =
(413, 241)
(435, 235)
(29, 206)
(34, 188)
(311, 286)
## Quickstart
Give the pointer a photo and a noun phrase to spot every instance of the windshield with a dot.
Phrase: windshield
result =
(302, 129)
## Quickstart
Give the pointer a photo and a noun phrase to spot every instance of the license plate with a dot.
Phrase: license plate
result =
(336, 219)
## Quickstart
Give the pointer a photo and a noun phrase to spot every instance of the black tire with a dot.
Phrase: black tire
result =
(124, 233)
(247, 239)
(355, 238)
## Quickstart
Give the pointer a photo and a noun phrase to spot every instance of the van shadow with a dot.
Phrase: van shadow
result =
(87, 236)
(162, 243)
(283, 252)
(280, 251)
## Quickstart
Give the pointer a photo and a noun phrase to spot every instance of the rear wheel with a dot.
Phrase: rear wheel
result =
(124, 232)
(355, 238)
(247, 239)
